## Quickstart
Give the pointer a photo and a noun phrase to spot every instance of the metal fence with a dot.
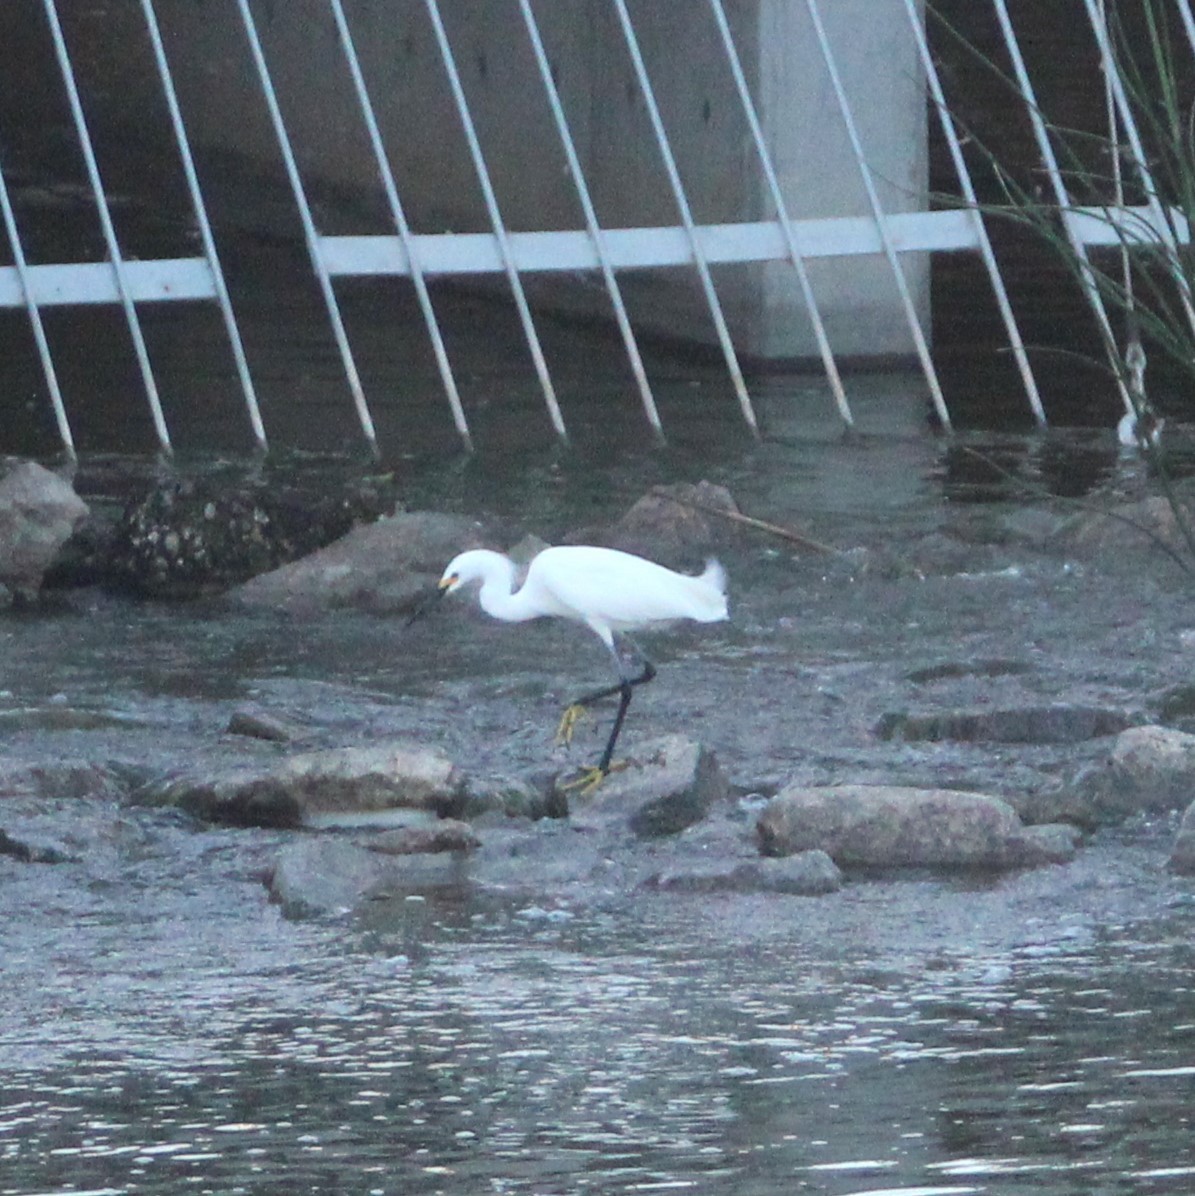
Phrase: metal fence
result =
(600, 251)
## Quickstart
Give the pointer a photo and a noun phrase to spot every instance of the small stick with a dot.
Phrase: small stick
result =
(773, 529)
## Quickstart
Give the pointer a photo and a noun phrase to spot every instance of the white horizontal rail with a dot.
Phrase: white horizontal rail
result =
(174, 279)
(638, 248)
(62, 284)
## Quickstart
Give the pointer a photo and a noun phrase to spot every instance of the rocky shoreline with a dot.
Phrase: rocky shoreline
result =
(399, 816)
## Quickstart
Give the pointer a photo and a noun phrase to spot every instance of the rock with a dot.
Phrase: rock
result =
(38, 513)
(806, 874)
(1182, 856)
(29, 853)
(676, 525)
(667, 785)
(1049, 843)
(1128, 526)
(445, 834)
(1056, 723)
(384, 567)
(1150, 769)
(321, 874)
(357, 785)
(256, 724)
(892, 826)
(197, 536)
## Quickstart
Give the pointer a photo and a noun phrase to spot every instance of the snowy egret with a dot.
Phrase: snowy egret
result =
(610, 592)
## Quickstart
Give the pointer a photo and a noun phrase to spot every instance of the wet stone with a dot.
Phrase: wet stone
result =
(1150, 769)
(38, 513)
(385, 567)
(257, 724)
(878, 826)
(1054, 723)
(1182, 855)
(33, 853)
(358, 785)
(665, 786)
(805, 874)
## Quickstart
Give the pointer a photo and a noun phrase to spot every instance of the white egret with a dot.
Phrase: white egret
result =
(610, 592)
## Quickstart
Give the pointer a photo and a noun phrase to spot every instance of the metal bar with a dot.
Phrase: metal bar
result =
(794, 250)
(659, 245)
(115, 257)
(1061, 198)
(873, 199)
(496, 222)
(1129, 122)
(309, 230)
(1184, 11)
(398, 215)
(205, 228)
(35, 321)
(981, 232)
(686, 215)
(591, 222)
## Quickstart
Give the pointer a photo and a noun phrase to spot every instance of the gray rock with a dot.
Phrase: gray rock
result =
(38, 513)
(666, 785)
(384, 567)
(806, 874)
(1050, 843)
(1182, 855)
(357, 785)
(892, 826)
(257, 724)
(442, 834)
(322, 874)
(33, 853)
(1055, 723)
(1150, 769)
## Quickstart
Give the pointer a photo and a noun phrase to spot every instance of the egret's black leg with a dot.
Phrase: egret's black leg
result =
(624, 689)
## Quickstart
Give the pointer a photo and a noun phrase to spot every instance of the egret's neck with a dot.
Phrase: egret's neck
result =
(498, 599)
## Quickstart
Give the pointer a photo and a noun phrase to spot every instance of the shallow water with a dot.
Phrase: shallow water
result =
(164, 1028)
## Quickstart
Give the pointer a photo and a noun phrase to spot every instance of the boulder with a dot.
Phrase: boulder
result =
(193, 536)
(384, 567)
(892, 827)
(357, 785)
(1141, 525)
(1182, 855)
(665, 786)
(38, 513)
(677, 525)
(1150, 769)
(321, 874)
(1054, 723)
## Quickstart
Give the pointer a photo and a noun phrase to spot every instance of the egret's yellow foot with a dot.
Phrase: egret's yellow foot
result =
(568, 722)
(588, 779)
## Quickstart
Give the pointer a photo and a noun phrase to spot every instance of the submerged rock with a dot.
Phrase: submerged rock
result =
(33, 853)
(665, 786)
(321, 874)
(357, 784)
(1054, 723)
(806, 874)
(38, 513)
(1182, 855)
(384, 567)
(879, 826)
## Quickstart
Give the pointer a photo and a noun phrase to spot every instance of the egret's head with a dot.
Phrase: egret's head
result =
(461, 570)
